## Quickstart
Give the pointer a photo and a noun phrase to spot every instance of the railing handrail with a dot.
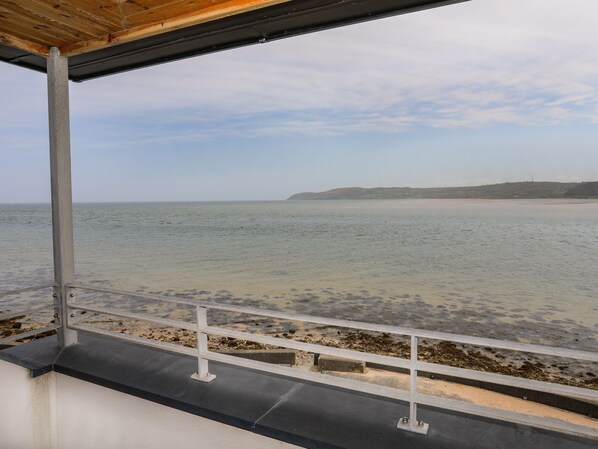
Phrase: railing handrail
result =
(398, 362)
(25, 289)
(412, 364)
(7, 316)
(264, 339)
(382, 328)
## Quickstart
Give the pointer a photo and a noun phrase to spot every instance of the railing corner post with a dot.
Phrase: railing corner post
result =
(60, 177)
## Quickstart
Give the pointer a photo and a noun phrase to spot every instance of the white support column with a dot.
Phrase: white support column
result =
(62, 202)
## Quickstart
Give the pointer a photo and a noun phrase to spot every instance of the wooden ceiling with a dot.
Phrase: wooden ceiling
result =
(104, 37)
(81, 26)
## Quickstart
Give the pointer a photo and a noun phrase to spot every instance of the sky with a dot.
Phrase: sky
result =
(486, 91)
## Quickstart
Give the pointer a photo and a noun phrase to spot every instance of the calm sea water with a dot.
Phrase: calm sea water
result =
(514, 269)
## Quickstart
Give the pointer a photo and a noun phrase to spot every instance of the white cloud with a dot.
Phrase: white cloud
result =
(475, 64)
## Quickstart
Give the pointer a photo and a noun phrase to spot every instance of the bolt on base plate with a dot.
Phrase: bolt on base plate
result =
(420, 427)
(207, 378)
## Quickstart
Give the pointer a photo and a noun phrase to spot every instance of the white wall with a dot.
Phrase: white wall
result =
(25, 411)
(57, 411)
(90, 417)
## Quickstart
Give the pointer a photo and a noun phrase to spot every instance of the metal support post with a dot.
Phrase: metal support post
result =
(202, 374)
(62, 202)
(412, 424)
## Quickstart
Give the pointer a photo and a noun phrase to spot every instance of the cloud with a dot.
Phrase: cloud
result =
(475, 64)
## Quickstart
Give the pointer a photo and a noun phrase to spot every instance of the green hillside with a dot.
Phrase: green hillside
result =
(509, 190)
(584, 190)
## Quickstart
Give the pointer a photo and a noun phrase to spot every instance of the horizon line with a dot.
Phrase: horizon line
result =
(47, 203)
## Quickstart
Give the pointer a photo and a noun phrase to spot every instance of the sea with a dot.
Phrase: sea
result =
(523, 270)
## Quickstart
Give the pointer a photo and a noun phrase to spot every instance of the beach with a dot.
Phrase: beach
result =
(542, 368)
(522, 270)
(508, 270)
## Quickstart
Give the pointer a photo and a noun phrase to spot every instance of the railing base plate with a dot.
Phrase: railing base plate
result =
(420, 427)
(208, 378)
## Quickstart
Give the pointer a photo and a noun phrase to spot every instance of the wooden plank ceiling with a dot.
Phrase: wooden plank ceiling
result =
(81, 26)
(104, 37)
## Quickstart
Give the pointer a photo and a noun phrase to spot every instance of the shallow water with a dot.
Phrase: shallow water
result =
(521, 269)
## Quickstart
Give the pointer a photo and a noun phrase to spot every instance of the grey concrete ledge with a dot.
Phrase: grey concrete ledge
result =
(331, 363)
(300, 413)
(275, 356)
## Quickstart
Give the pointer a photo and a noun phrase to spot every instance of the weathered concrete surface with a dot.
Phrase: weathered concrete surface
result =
(26, 415)
(330, 363)
(256, 403)
(275, 356)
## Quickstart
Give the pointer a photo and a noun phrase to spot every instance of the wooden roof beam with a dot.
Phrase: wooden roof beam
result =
(22, 44)
(209, 13)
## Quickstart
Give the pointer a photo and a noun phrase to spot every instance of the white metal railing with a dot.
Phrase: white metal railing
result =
(32, 333)
(413, 365)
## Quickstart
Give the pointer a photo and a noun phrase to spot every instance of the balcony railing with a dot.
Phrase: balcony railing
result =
(12, 314)
(411, 364)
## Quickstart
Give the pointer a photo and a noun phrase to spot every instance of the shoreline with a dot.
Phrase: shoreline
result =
(480, 359)
(438, 387)
(528, 366)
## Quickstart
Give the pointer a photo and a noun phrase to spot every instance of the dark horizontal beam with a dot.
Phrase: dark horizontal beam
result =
(284, 20)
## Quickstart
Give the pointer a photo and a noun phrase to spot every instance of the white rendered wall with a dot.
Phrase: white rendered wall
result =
(58, 411)
(90, 416)
(25, 408)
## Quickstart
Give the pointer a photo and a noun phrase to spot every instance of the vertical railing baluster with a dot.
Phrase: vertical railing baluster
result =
(203, 374)
(412, 423)
(413, 385)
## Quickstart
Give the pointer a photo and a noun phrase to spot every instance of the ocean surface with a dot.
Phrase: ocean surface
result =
(524, 269)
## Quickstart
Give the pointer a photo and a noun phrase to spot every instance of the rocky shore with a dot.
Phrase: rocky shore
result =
(446, 353)
(18, 325)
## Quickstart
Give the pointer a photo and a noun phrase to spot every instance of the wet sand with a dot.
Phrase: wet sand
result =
(460, 316)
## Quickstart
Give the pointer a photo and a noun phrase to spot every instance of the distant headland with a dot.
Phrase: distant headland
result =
(508, 190)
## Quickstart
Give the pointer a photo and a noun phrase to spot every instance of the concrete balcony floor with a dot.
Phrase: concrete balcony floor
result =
(240, 408)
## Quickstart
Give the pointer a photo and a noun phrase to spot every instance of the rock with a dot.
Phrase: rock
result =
(330, 363)
(275, 356)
